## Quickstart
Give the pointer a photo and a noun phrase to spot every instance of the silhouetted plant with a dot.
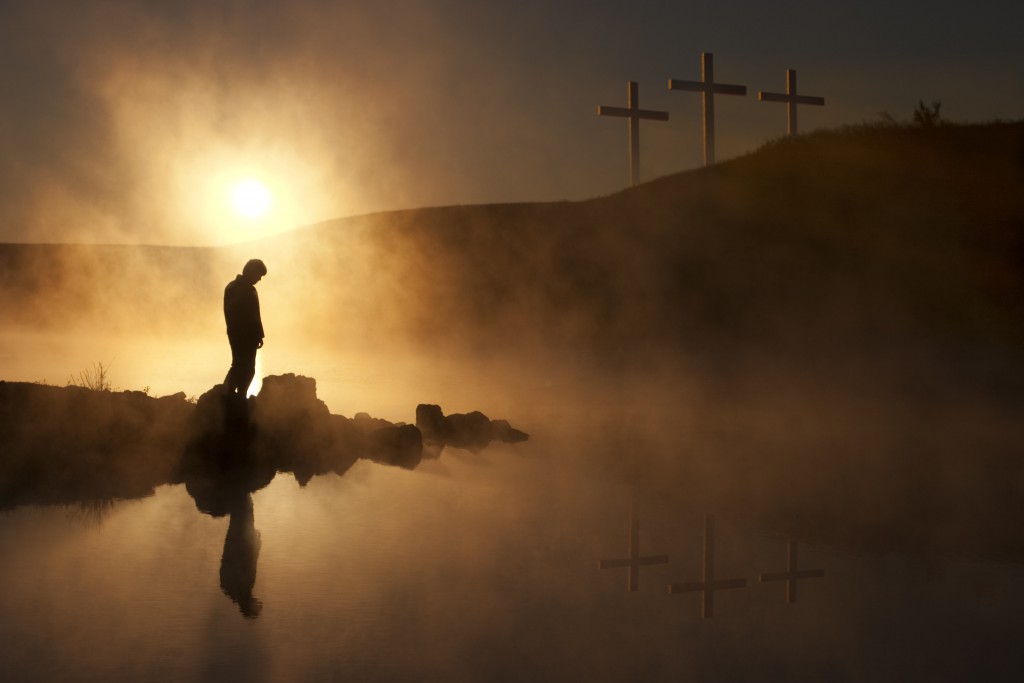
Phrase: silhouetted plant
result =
(887, 119)
(93, 511)
(95, 378)
(928, 117)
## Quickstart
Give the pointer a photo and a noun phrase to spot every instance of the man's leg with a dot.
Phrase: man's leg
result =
(244, 368)
(242, 356)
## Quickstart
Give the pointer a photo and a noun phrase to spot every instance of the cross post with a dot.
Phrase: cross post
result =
(634, 113)
(792, 574)
(792, 99)
(709, 584)
(634, 561)
(708, 88)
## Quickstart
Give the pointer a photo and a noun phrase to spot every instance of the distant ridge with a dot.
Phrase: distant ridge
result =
(826, 336)
(864, 238)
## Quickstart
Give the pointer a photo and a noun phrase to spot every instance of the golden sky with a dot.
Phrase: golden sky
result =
(134, 121)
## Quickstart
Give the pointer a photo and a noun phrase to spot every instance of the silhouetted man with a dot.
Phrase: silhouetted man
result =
(245, 328)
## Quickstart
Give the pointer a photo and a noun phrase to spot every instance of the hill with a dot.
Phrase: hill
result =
(826, 335)
(861, 238)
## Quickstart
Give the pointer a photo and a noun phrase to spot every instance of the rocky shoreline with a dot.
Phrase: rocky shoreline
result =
(65, 445)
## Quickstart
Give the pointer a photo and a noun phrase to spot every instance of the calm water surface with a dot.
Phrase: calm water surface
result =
(473, 567)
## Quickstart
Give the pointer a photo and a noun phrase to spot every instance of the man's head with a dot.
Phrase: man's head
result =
(254, 270)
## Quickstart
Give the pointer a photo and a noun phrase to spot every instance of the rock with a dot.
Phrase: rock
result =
(290, 420)
(503, 431)
(432, 424)
(65, 444)
(401, 446)
(472, 431)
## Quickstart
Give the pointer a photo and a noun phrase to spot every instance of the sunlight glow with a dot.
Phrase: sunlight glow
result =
(251, 198)
(234, 195)
(257, 379)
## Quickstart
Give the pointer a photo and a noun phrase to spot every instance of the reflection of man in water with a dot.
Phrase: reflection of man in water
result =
(238, 563)
(245, 328)
(219, 489)
(221, 474)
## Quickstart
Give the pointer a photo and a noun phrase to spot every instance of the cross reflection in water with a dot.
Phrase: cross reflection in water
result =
(635, 560)
(709, 583)
(792, 573)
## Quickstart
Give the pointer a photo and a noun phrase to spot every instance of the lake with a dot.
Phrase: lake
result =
(477, 567)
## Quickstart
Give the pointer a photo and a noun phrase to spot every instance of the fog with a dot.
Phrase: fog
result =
(824, 375)
(818, 343)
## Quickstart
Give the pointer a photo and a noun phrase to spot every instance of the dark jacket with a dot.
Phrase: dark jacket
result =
(242, 312)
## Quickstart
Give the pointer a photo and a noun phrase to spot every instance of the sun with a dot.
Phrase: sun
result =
(251, 198)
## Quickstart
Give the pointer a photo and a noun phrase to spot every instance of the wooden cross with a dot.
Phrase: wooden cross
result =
(791, 98)
(710, 584)
(792, 574)
(634, 561)
(634, 113)
(708, 88)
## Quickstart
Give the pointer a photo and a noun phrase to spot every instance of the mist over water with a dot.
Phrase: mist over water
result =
(850, 382)
(487, 563)
(484, 566)
(479, 567)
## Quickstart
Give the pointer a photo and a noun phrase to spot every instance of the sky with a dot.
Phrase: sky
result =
(133, 122)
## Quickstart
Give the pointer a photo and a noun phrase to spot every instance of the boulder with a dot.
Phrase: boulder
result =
(472, 431)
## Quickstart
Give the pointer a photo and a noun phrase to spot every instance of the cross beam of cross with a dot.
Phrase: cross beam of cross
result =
(791, 98)
(709, 584)
(634, 113)
(634, 561)
(791, 574)
(708, 89)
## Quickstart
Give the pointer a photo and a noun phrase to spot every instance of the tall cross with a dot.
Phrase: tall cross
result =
(634, 113)
(710, 584)
(791, 98)
(792, 574)
(708, 88)
(634, 561)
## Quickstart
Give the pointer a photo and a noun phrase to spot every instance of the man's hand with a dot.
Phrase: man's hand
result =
(260, 345)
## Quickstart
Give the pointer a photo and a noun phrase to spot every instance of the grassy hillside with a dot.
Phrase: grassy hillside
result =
(896, 244)
(827, 334)
(903, 245)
